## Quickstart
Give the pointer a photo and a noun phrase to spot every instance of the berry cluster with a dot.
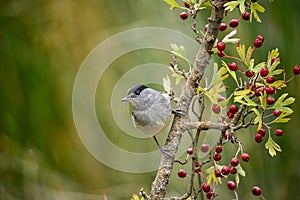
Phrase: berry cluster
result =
(255, 100)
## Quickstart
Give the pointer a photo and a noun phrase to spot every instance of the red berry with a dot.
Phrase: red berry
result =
(249, 73)
(270, 90)
(223, 27)
(221, 53)
(258, 138)
(273, 60)
(296, 70)
(197, 164)
(245, 157)
(181, 173)
(270, 100)
(216, 108)
(204, 148)
(184, 15)
(230, 115)
(234, 23)
(256, 191)
(233, 66)
(276, 113)
(189, 151)
(270, 79)
(221, 46)
(206, 187)
(209, 194)
(186, 4)
(218, 173)
(246, 16)
(231, 185)
(217, 156)
(264, 72)
(257, 43)
(225, 170)
(278, 132)
(218, 149)
(233, 170)
(253, 1)
(205, 27)
(258, 91)
(233, 108)
(261, 37)
(262, 132)
(234, 161)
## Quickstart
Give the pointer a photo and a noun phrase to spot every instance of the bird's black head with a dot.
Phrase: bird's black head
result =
(136, 89)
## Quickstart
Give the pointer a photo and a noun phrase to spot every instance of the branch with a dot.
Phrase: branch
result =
(203, 56)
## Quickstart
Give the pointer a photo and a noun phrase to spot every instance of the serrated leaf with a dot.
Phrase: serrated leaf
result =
(172, 3)
(179, 51)
(255, 7)
(281, 103)
(258, 118)
(233, 74)
(246, 101)
(233, 4)
(272, 146)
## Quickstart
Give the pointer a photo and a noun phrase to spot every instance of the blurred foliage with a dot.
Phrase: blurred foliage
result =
(42, 46)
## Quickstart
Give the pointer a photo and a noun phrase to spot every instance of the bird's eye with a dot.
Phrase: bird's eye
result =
(137, 92)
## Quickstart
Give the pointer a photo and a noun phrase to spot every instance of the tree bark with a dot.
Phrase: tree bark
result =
(159, 185)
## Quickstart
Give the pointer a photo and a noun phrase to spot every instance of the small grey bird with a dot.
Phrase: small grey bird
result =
(151, 110)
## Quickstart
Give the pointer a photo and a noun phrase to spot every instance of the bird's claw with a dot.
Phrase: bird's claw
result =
(179, 112)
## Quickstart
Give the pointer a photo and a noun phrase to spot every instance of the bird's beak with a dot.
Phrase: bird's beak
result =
(127, 98)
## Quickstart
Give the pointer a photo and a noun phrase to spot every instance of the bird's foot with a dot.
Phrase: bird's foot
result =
(178, 112)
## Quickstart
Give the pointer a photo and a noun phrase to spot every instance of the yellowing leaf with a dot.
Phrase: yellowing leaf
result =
(172, 3)
(272, 146)
(255, 7)
(211, 175)
(241, 51)
(233, 4)
(232, 73)
(258, 118)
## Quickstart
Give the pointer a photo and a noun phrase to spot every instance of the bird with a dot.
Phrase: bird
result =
(151, 110)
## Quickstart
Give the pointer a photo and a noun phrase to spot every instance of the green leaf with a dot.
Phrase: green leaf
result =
(248, 58)
(263, 100)
(178, 78)
(167, 83)
(240, 170)
(272, 146)
(258, 118)
(281, 103)
(241, 51)
(282, 118)
(172, 3)
(259, 66)
(233, 4)
(255, 7)
(179, 51)
(230, 72)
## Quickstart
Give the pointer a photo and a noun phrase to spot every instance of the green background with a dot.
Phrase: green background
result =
(42, 46)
